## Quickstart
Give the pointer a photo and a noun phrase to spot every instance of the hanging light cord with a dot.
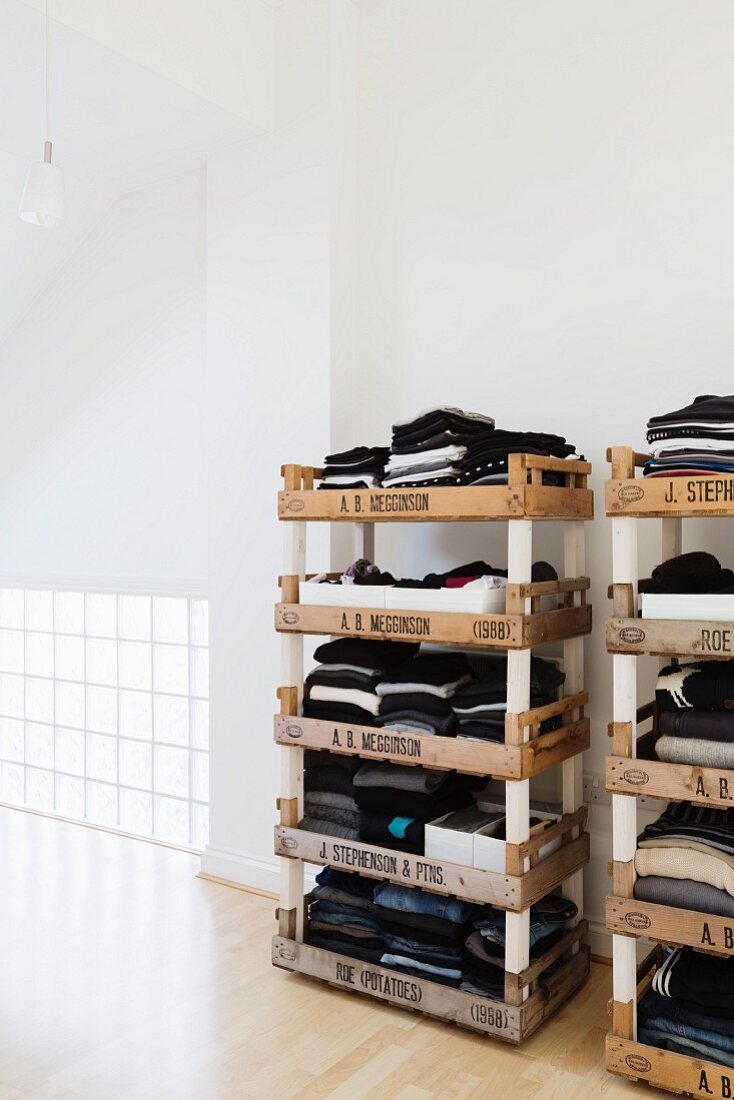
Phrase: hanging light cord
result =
(47, 66)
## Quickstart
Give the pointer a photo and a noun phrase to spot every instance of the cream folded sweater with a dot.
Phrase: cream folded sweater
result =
(356, 698)
(686, 863)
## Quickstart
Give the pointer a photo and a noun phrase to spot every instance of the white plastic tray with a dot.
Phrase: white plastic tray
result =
(719, 608)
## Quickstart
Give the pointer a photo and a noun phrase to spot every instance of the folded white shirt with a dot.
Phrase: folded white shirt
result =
(429, 475)
(690, 443)
(353, 696)
(452, 453)
(349, 479)
(349, 668)
(444, 409)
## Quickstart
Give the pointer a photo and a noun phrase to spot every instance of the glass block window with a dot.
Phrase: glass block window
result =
(104, 710)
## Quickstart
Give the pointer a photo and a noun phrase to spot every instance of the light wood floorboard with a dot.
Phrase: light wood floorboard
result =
(124, 977)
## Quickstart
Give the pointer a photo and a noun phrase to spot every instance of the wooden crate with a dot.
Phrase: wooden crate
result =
(666, 924)
(665, 1070)
(524, 497)
(510, 631)
(515, 890)
(512, 1023)
(671, 637)
(517, 760)
(673, 782)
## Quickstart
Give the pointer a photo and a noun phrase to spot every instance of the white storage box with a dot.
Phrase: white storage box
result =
(342, 595)
(453, 845)
(479, 601)
(718, 608)
(489, 851)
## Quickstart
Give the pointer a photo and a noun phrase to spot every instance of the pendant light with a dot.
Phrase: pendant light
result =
(42, 201)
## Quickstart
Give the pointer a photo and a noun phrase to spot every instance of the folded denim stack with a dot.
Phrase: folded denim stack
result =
(695, 706)
(696, 573)
(416, 694)
(342, 915)
(697, 439)
(342, 687)
(487, 454)
(428, 448)
(423, 933)
(686, 859)
(396, 801)
(358, 468)
(484, 948)
(690, 1008)
(480, 706)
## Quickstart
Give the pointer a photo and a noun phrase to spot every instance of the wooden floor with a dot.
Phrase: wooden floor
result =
(124, 976)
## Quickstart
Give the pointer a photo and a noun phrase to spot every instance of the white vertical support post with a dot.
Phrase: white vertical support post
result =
(574, 563)
(291, 758)
(364, 541)
(520, 564)
(624, 807)
(672, 537)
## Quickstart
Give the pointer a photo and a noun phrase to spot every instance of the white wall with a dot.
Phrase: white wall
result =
(544, 229)
(102, 473)
(268, 403)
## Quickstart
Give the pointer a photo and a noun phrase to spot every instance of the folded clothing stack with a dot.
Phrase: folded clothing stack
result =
(329, 803)
(486, 459)
(342, 915)
(484, 947)
(697, 439)
(423, 933)
(480, 706)
(416, 695)
(686, 859)
(342, 687)
(358, 468)
(695, 708)
(690, 1007)
(395, 802)
(428, 448)
(696, 573)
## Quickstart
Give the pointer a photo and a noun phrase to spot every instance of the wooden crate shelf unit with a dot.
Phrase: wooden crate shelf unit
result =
(534, 613)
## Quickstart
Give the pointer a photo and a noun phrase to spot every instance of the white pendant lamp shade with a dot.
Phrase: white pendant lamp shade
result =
(42, 201)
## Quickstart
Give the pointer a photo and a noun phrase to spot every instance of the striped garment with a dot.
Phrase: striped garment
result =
(685, 821)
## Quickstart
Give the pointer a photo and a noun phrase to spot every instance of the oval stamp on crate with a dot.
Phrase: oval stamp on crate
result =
(632, 635)
(638, 1063)
(630, 494)
(639, 921)
(293, 731)
(290, 617)
(636, 776)
(295, 504)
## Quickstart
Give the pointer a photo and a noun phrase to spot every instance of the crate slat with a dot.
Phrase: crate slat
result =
(673, 782)
(443, 503)
(671, 637)
(682, 927)
(667, 1070)
(446, 627)
(513, 892)
(470, 757)
(669, 497)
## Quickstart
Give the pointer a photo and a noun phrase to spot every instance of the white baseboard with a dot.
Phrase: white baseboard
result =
(600, 940)
(255, 872)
